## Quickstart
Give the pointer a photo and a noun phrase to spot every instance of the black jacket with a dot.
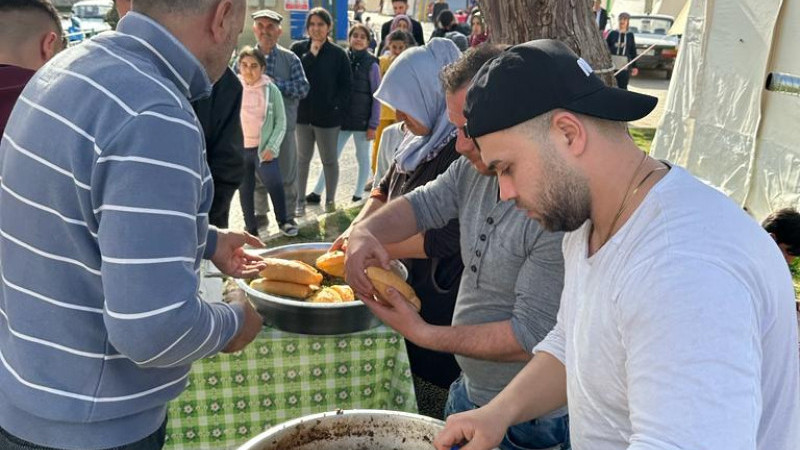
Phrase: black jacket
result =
(330, 78)
(622, 44)
(461, 28)
(603, 20)
(416, 31)
(359, 109)
(222, 127)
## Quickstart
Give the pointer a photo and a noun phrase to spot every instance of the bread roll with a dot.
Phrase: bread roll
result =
(296, 272)
(327, 295)
(384, 279)
(332, 263)
(283, 288)
(345, 291)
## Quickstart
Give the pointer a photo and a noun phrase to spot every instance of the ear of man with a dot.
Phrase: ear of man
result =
(571, 131)
(28, 37)
(222, 21)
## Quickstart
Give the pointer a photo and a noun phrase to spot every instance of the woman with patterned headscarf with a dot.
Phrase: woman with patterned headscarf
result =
(412, 88)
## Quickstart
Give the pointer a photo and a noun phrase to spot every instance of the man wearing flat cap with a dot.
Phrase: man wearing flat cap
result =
(286, 71)
(675, 329)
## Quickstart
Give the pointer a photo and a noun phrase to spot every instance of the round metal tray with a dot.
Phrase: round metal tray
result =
(350, 429)
(297, 316)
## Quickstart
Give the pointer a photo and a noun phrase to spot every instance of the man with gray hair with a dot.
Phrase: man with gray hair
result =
(30, 34)
(116, 218)
(286, 71)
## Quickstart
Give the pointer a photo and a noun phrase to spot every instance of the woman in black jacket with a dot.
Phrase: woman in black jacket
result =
(622, 46)
(319, 116)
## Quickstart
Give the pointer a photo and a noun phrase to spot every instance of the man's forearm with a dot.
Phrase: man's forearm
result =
(493, 341)
(369, 208)
(539, 388)
(394, 223)
(413, 247)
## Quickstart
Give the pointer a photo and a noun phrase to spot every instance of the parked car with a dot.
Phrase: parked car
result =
(72, 29)
(652, 30)
(92, 14)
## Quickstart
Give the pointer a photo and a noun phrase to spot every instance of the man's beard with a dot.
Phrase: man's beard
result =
(566, 202)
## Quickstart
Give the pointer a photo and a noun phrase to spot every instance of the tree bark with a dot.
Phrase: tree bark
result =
(569, 21)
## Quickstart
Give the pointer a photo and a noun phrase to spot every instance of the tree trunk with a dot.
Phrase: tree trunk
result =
(570, 21)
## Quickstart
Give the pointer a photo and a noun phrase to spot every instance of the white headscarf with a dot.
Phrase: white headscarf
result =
(412, 86)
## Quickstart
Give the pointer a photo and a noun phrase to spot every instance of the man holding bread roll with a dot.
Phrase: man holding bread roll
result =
(510, 289)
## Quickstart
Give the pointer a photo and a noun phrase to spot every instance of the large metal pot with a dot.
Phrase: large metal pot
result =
(352, 430)
(297, 316)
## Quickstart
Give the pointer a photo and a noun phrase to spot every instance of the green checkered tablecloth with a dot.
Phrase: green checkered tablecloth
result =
(282, 376)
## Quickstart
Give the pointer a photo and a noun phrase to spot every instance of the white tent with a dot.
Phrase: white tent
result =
(720, 121)
(668, 7)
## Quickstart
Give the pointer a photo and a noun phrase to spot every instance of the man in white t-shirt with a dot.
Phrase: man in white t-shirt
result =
(675, 329)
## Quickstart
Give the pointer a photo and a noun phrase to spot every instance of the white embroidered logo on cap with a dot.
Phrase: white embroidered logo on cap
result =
(585, 67)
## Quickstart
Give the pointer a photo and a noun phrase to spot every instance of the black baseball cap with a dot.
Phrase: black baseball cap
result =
(267, 13)
(530, 79)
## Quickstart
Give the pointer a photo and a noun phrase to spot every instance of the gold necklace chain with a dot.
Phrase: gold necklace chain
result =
(629, 195)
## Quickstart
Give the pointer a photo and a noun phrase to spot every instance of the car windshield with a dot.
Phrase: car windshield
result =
(650, 25)
(91, 11)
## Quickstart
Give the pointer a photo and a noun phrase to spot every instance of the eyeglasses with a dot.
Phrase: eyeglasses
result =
(465, 130)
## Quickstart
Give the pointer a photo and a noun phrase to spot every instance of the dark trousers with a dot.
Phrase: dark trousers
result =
(153, 442)
(623, 78)
(221, 205)
(269, 174)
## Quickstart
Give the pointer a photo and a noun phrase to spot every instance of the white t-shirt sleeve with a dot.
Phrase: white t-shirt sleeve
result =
(555, 343)
(691, 334)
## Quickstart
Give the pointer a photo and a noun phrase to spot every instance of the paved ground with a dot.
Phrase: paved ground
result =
(648, 82)
(651, 82)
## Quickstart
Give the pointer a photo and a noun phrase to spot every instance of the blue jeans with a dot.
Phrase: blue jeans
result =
(362, 157)
(548, 434)
(153, 442)
(270, 175)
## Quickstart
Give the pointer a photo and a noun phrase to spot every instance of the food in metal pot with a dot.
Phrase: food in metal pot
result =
(290, 271)
(345, 291)
(284, 288)
(383, 279)
(332, 263)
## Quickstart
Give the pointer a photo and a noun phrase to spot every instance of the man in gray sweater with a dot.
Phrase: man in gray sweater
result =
(511, 285)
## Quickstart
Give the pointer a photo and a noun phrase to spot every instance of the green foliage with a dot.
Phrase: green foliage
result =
(643, 137)
(327, 229)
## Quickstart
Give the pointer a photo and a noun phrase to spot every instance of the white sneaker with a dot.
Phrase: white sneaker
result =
(289, 229)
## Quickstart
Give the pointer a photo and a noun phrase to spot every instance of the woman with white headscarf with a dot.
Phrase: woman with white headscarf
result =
(412, 88)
